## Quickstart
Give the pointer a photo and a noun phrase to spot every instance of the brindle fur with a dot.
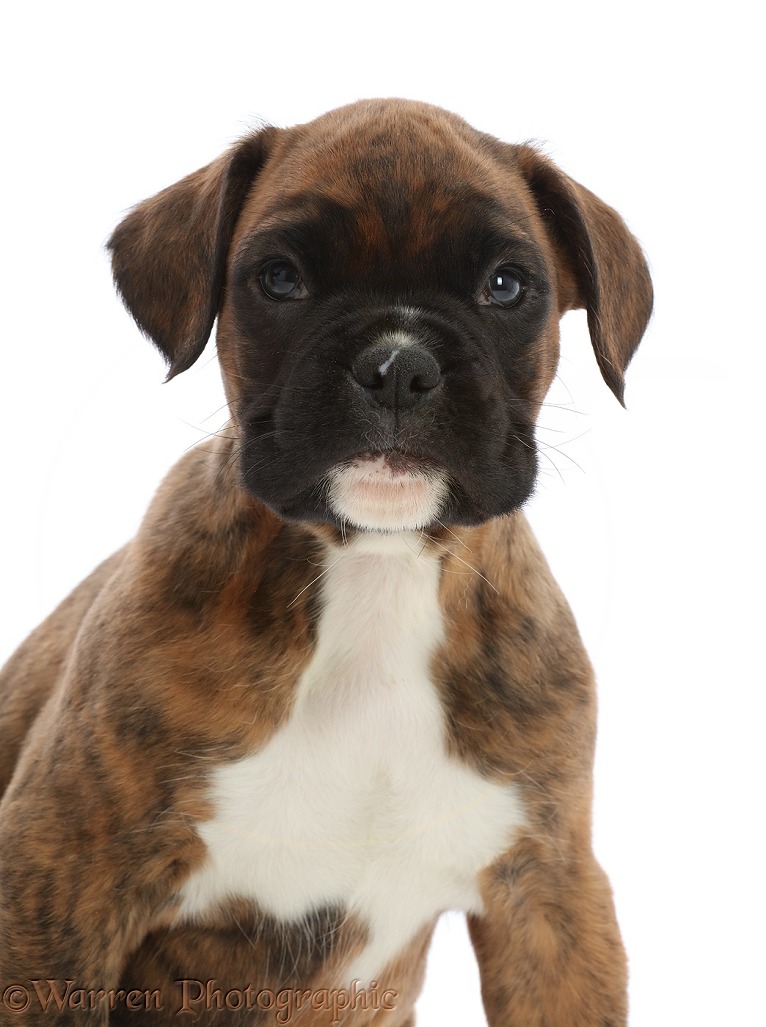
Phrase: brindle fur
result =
(183, 650)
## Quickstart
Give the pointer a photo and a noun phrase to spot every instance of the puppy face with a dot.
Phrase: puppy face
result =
(387, 327)
(388, 284)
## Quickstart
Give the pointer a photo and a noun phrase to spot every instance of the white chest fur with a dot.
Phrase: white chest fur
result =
(354, 801)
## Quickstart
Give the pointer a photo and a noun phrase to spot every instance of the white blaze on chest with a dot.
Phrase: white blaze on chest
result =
(354, 802)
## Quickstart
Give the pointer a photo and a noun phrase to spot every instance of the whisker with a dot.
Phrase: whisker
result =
(454, 535)
(468, 565)
(314, 580)
(224, 407)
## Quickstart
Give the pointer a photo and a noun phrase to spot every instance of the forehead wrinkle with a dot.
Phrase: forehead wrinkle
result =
(408, 140)
(358, 160)
(410, 152)
(401, 178)
(395, 216)
(366, 234)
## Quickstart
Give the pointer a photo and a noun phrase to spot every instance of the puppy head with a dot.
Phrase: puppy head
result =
(388, 284)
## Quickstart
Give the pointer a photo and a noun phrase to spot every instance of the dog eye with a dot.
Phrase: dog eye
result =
(281, 281)
(504, 288)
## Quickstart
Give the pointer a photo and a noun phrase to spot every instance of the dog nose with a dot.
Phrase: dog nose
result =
(396, 377)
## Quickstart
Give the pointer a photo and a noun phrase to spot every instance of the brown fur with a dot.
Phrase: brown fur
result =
(184, 649)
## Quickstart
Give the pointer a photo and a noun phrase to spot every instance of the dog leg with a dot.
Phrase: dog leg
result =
(81, 883)
(548, 946)
(64, 931)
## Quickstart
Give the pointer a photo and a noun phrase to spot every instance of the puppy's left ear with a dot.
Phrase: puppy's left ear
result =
(603, 267)
(169, 253)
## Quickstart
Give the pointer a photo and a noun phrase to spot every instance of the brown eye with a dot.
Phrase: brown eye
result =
(282, 281)
(504, 288)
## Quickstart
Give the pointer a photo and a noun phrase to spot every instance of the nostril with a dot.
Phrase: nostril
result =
(424, 381)
(369, 370)
(396, 377)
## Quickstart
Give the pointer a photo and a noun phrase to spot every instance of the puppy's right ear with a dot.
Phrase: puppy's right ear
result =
(169, 253)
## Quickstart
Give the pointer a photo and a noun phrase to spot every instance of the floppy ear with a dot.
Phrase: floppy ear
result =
(169, 253)
(602, 262)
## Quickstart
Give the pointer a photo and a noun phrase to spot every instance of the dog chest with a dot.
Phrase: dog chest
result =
(355, 801)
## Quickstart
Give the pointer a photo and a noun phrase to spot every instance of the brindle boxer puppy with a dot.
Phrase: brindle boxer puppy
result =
(330, 689)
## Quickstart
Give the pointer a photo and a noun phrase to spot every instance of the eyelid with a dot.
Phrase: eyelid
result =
(523, 275)
(249, 265)
(264, 263)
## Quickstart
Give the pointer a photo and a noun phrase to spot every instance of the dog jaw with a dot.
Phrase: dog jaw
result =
(385, 492)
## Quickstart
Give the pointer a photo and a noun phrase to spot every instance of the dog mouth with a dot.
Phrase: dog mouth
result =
(390, 462)
(387, 491)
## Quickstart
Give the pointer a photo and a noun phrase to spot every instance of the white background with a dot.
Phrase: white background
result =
(651, 517)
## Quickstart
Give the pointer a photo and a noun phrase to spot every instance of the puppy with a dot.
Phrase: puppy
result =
(331, 689)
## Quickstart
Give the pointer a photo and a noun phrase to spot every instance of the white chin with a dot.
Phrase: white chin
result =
(368, 493)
